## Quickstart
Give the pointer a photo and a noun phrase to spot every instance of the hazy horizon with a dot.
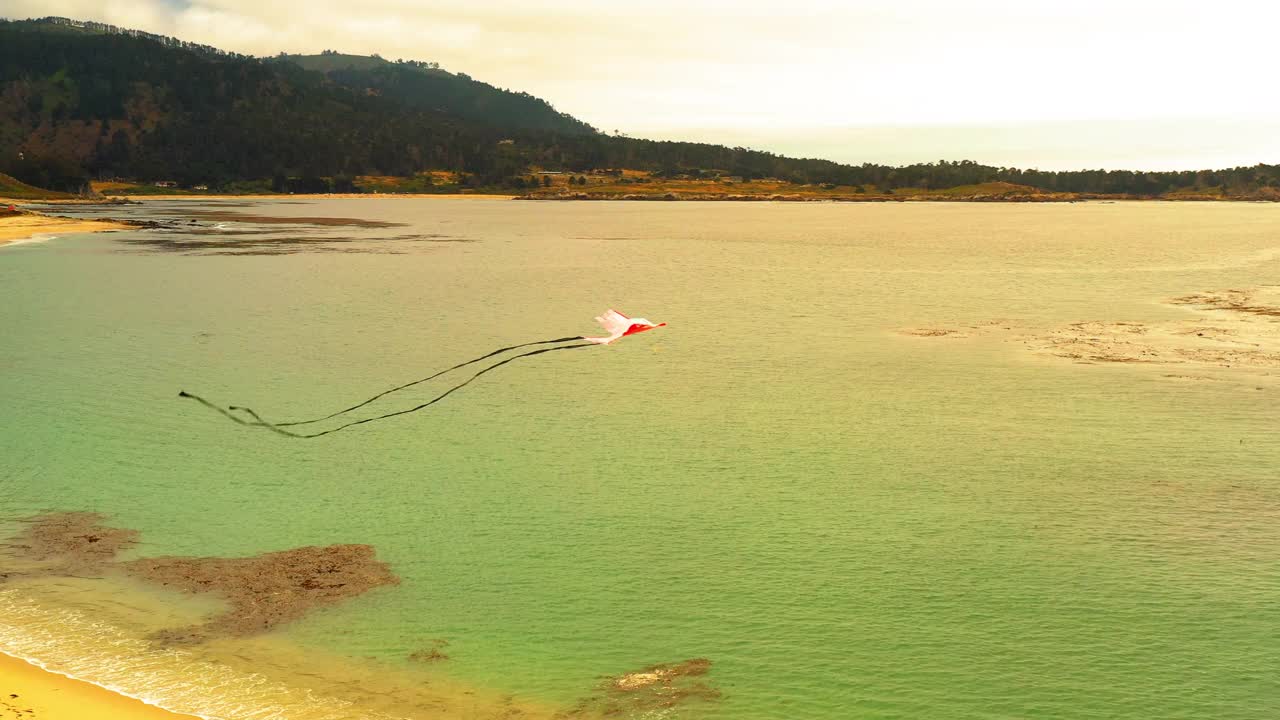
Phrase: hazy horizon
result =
(1146, 86)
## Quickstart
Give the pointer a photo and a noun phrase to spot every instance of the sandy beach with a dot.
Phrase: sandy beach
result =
(30, 693)
(28, 225)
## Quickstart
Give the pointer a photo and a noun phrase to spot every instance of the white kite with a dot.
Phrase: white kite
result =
(615, 323)
(619, 326)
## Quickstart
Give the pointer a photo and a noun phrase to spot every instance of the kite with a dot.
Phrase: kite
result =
(615, 323)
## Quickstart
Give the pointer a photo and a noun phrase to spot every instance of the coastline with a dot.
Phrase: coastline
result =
(131, 199)
(30, 691)
(340, 196)
(661, 194)
(25, 226)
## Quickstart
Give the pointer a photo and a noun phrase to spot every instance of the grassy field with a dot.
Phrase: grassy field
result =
(112, 187)
(637, 185)
(430, 181)
(632, 184)
(17, 190)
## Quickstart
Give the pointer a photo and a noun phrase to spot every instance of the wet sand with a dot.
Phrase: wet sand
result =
(1236, 329)
(1233, 330)
(28, 692)
(28, 225)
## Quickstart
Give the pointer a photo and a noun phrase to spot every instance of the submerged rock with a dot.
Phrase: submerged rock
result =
(433, 653)
(650, 690)
(663, 674)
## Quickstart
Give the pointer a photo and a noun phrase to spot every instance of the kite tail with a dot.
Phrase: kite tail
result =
(397, 388)
(211, 406)
(278, 428)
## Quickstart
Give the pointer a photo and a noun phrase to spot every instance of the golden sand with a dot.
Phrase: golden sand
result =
(31, 693)
(27, 225)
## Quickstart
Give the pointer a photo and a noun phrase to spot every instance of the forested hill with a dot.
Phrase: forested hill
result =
(424, 86)
(81, 101)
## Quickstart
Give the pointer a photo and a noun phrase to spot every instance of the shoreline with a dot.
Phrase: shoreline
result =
(139, 199)
(38, 693)
(27, 226)
(671, 196)
(83, 622)
(335, 196)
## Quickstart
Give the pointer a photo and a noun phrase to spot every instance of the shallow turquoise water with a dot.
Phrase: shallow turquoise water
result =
(848, 522)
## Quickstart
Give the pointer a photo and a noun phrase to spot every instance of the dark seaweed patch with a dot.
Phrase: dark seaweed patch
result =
(262, 591)
(70, 543)
(265, 590)
(209, 241)
(279, 220)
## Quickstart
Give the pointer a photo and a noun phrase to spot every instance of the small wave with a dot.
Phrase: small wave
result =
(66, 642)
(37, 238)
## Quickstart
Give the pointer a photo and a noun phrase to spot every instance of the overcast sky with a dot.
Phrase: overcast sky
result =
(1055, 84)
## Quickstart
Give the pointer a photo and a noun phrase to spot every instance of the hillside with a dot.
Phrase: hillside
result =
(424, 86)
(327, 62)
(85, 101)
(13, 189)
(83, 105)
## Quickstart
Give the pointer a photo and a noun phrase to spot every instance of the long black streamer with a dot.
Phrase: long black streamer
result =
(277, 428)
(384, 393)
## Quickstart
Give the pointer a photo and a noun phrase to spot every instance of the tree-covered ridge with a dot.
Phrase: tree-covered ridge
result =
(107, 105)
(424, 86)
(61, 24)
(81, 101)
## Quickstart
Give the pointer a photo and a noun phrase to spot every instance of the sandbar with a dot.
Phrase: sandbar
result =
(24, 226)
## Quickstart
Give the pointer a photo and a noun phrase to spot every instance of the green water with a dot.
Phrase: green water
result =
(847, 521)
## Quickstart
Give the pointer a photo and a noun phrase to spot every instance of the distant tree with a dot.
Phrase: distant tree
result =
(116, 102)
